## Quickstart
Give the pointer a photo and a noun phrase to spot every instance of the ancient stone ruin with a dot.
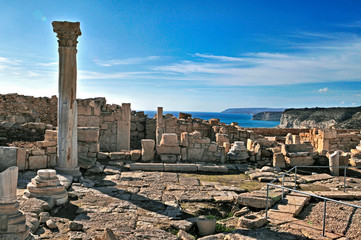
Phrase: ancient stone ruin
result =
(92, 170)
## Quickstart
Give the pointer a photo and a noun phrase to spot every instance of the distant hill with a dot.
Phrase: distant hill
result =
(340, 117)
(251, 111)
(267, 116)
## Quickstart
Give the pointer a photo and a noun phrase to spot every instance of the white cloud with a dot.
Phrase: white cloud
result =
(338, 58)
(323, 90)
(126, 61)
(342, 102)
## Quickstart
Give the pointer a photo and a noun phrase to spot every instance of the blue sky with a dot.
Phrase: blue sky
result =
(190, 55)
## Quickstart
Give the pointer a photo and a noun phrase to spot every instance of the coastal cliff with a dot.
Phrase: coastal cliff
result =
(345, 118)
(267, 116)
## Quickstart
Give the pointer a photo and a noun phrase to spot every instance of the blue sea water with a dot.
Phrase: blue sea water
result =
(243, 120)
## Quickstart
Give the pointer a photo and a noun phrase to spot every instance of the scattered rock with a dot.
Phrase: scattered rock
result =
(75, 226)
(182, 235)
(51, 224)
(44, 216)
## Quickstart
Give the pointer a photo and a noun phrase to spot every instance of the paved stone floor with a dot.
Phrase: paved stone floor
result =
(146, 205)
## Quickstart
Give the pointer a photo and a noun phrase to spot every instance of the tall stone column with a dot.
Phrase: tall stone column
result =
(12, 221)
(123, 128)
(160, 125)
(67, 32)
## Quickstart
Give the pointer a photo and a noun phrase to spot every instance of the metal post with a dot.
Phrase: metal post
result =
(267, 202)
(283, 185)
(296, 177)
(324, 218)
(344, 180)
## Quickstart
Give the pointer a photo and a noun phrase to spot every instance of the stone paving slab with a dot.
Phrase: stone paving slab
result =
(316, 177)
(354, 195)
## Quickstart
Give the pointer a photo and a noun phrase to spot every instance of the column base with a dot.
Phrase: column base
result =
(75, 172)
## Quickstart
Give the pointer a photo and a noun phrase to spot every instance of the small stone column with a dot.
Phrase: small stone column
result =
(334, 160)
(123, 128)
(67, 32)
(12, 221)
(288, 139)
(147, 150)
(160, 125)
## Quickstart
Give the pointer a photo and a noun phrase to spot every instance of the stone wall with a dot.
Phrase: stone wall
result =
(20, 109)
(277, 131)
(138, 129)
(43, 154)
(332, 139)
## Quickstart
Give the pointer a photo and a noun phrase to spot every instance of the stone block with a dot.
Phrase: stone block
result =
(169, 140)
(184, 139)
(44, 144)
(147, 166)
(37, 152)
(38, 162)
(203, 140)
(88, 134)
(195, 154)
(50, 150)
(168, 150)
(21, 158)
(120, 156)
(84, 110)
(212, 168)
(8, 157)
(279, 160)
(135, 155)
(299, 161)
(169, 158)
(147, 149)
(330, 133)
(212, 147)
(88, 121)
(180, 167)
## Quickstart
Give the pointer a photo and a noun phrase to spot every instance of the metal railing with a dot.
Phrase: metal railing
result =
(309, 194)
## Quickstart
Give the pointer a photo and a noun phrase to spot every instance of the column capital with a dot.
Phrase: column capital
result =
(67, 32)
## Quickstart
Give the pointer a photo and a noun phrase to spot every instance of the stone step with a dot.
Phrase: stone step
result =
(259, 199)
(291, 204)
(185, 167)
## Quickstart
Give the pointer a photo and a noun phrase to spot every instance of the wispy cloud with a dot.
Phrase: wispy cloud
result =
(338, 59)
(323, 90)
(48, 64)
(126, 61)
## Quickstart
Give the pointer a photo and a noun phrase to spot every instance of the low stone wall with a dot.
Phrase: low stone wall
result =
(195, 148)
(28, 132)
(277, 131)
(43, 154)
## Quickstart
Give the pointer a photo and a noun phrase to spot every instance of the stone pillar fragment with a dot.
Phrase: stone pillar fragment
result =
(334, 160)
(296, 139)
(12, 221)
(288, 139)
(67, 32)
(123, 128)
(160, 125)
(147, 150)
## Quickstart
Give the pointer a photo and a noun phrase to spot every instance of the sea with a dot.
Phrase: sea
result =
(243, 120)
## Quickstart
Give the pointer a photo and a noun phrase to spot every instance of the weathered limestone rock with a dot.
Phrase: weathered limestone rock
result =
(252, 221)
(7, 157)
(12, 221)
(238, 152)
(279, 160)
(67, 32)
(123, 128)
(169, 144)
(298, 154)
(296, 139)
(221, 138)
(160, 125)
(355, 159)
(288, 139)
(47, 185)
(334, 160)
(147, 150)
